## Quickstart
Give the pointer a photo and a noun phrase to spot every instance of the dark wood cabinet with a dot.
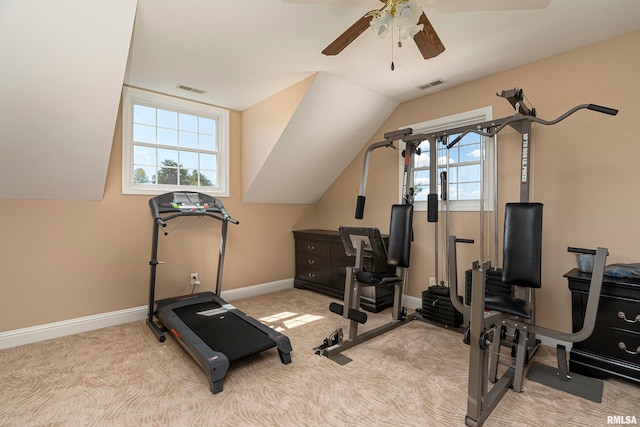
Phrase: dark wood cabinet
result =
(320, 262)
(614, 346)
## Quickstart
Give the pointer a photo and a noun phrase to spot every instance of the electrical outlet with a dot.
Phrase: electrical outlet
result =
(432, 281)
(194, 279)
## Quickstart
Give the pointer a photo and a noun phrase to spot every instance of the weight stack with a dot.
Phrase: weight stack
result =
(494, 284)
(437, 307)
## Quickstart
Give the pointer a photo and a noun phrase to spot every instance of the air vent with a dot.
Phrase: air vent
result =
(436, 82)
(190, 89)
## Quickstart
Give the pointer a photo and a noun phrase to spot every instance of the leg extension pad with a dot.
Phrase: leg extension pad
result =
(352, 314)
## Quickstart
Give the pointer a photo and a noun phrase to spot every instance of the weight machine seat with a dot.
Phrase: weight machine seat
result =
(522, 257)
(510, 305)
(377, 279)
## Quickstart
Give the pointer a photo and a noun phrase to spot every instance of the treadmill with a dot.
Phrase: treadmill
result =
(212, 331)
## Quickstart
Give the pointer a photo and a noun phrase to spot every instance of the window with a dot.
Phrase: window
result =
(170, 144)
(464, 178)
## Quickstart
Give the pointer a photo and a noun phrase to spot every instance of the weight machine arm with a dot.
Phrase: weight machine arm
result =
(520, 118)
(389, 139)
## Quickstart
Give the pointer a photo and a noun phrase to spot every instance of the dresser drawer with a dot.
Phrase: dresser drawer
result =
(311, 260)
(614, 343)
(337, 251)
(613, 347)
(312, 246)
(619, 313)
(312, 275)
(319, 256)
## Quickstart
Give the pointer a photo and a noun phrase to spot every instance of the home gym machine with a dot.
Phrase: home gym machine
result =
(492, 316)
(211, 330)
(362, 243)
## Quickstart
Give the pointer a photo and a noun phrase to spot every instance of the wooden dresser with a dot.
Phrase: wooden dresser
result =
(320, 256)
(614, 346)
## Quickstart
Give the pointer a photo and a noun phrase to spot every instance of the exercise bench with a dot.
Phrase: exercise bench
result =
(362, 242)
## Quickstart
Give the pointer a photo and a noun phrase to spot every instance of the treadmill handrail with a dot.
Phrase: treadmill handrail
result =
(198, 214)
(206, 206)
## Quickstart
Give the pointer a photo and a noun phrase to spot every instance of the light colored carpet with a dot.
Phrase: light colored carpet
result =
(415, 375)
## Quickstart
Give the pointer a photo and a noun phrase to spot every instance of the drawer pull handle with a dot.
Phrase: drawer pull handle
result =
(624, 317)
(310, 247)
(311, 261)
(312, 275)
(624, 347)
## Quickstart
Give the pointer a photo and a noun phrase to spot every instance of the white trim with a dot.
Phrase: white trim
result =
(410, 302)
(478, 115)
(131, 95)
(255, 290)
(98, 321)
(69, 327)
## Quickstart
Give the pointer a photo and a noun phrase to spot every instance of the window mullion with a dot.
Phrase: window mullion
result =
(153, 122)
(463, 152)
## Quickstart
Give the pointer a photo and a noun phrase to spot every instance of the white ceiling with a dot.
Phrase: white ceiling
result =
(64, 63)
(243, 51)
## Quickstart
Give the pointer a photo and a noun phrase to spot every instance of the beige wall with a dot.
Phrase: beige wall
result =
(585, 168)
(66, 259)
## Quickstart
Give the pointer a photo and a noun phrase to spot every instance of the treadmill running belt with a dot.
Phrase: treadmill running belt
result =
(225, 332)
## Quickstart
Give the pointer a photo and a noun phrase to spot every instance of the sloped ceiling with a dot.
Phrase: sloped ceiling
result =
(63, 64)
(329, 125)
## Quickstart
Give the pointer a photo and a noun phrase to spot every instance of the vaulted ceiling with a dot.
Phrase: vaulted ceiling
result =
(64, 63)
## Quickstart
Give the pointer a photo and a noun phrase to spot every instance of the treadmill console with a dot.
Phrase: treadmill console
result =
(186, 202)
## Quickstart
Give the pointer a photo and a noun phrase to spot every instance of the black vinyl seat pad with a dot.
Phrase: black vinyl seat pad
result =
(508, 304)
(225, 330)
(375, 279)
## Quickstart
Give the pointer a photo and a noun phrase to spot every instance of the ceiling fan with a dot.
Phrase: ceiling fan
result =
(426, 38)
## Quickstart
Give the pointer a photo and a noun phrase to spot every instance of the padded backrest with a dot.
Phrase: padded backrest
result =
(400, 232)
(522, 256)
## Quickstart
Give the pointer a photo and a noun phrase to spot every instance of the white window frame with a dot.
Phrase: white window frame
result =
(133, 96)
(449, 122)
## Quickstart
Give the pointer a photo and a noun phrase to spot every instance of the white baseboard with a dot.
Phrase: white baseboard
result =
(69, 327)
(411, 302)
(255, 290)
(88, 323)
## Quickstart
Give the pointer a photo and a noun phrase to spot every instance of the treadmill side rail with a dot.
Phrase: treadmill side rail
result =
(208, 341)
(211, 330)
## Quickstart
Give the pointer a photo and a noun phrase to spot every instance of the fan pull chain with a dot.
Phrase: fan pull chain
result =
(393, 67)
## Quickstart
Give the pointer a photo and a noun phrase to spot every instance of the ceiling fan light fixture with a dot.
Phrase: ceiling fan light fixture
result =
(381, 23)
(401, 14)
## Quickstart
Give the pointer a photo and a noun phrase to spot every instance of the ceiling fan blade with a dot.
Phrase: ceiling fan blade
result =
(449, 6)
(427, 39)
(348, 36)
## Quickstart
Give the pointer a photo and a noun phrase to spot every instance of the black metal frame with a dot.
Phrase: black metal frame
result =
(488, 327)
(214, 363)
